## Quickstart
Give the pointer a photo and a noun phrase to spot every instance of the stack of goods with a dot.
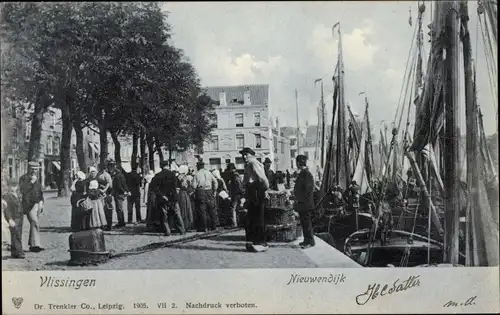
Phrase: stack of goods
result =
(87, 247)
(281, 225)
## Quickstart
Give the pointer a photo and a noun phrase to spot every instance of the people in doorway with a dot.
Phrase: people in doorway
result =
(32, 203)
(205, 189)
(256, 185)
(304, 200)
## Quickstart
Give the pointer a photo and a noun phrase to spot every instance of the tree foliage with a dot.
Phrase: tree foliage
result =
(111, 65)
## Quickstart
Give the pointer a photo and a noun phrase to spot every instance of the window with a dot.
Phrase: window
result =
(275, 144)
(48, 145)
(215, 163)
(13, 111)
(57, 145)
(14, 134)
(214, 143)
(11, 168)
(239, 120)
(282, 147)
(306, 153)
(28, 128)
(88, 132)
(215, 121)
(90, 151)
(256, 119)
(293, 141)
(258, 141)
(240, 141)
(293, 153)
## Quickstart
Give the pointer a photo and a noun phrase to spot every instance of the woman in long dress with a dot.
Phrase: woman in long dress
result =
(78, 188)
(184, 198)
(95, 217)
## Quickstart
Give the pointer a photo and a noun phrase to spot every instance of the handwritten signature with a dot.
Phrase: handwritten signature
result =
(469, 302)
(374, 290)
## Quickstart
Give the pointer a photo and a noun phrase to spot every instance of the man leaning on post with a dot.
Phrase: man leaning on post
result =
(32, 203)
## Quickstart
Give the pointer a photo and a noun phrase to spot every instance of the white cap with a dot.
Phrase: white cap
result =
(93, 184)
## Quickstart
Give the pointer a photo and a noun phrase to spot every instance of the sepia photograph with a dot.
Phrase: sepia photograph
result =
(255, 135)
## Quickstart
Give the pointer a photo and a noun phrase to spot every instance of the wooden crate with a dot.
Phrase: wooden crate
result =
(278, 216)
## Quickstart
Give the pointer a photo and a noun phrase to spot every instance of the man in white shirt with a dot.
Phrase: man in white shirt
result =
(205, 187)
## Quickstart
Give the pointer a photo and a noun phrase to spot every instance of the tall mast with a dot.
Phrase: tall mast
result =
(472, 138)
(343, 167)
(452, 132)
(298, 127)
(323, 127)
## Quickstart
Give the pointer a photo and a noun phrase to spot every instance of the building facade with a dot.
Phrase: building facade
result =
(242, 120)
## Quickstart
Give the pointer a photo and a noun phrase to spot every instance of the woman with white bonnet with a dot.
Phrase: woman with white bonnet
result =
(78, 188)
(184, 198)
(96, 218)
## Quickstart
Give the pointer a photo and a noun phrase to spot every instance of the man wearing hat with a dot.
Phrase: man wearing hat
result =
(271, 176)
(14, 215)
(304, 200)
(256, 186)
(32, 203)
(164, 184)
(205, 185)
(119, 191)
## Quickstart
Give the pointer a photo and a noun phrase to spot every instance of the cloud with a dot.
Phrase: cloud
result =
(357, 51)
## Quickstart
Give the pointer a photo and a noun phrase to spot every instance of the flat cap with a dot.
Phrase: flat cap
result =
(301, 158)
(33, 165)
(247, 151)
(267, 161)
(164, 163)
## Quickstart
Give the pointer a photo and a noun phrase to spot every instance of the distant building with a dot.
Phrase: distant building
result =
(242, 120)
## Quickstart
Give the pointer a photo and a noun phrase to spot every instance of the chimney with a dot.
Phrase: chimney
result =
(222, 99)
(246, 97)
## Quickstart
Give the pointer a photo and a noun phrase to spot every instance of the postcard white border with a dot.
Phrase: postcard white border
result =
(271, 290)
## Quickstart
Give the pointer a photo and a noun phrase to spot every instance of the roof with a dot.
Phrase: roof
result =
(259, 93)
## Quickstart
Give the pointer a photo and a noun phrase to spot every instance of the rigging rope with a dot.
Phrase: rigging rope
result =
(490, 71)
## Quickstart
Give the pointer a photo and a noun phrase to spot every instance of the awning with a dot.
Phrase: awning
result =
(57, 165)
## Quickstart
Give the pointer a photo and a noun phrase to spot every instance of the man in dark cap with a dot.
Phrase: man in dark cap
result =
(236, 191)
(205, 188)
(256, 186)
(271, 176)
(164, 184)
(304, 200)
(119, 190)
(32, 203)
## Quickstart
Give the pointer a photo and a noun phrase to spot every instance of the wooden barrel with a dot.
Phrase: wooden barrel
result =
(87, 247)
(279, 216)
(283, 233)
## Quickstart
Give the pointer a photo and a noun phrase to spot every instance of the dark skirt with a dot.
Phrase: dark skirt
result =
(185, 205)
(77, 216)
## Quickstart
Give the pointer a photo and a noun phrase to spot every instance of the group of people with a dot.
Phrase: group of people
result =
(177, 199)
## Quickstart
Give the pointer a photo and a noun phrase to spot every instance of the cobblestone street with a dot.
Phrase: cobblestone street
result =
(223, 251)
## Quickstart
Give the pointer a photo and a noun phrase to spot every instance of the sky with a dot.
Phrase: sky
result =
(290, 44)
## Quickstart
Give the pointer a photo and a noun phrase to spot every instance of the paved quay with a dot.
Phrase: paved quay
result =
(220, 252)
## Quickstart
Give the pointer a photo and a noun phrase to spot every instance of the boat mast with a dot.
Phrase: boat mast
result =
(297, 113)
(323, 127)
(343, 167)
(452, 133)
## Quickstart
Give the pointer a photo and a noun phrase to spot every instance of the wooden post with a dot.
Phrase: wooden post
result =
(451, 140)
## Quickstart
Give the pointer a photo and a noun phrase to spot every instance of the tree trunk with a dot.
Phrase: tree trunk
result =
(65, 154)
(160, 152)
(103, 140)
(142, 144)
(36, 132)
(80, 152)
(151, 153)
(133, 159)
(170, 153)
(118, 148)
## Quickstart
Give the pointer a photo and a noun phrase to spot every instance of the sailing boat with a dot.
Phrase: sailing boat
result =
(333, 218)
(438, 128)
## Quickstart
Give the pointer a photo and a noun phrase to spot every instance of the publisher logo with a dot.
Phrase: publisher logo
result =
(18, 301)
